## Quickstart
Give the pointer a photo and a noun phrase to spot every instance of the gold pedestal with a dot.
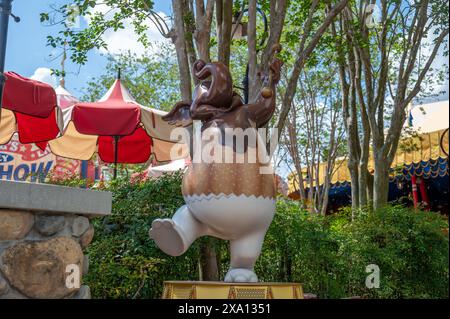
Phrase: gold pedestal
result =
(223, 290)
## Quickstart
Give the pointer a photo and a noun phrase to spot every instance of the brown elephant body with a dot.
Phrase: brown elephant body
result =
(229, 178)
(219, 108)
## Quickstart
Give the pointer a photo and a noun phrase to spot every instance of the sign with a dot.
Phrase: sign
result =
(27, 162)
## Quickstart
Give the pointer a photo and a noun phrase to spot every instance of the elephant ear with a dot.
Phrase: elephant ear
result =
(180, 115)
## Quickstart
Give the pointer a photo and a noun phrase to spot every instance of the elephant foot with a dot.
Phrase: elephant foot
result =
(167, 237)
(241, 275)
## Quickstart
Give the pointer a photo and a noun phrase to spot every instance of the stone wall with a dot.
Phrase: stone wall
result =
(41, 252)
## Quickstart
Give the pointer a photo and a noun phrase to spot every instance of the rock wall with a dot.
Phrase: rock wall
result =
(41, 254)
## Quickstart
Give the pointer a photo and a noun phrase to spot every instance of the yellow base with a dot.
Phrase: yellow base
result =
(223, 290)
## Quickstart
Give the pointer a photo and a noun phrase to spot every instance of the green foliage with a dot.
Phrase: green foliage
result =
(411, 249)
(328, 255)
(70, 180)
(81, 41)
(124, 261)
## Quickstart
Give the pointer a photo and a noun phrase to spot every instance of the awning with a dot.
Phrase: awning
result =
(95, 127)
(413, 155)
(29, 107)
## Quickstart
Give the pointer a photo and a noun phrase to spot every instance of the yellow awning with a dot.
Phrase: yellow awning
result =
(424, 147)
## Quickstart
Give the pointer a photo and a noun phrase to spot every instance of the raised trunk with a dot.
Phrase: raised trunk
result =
(202, 34)
(369, 189)
(189, 28)
(301, 185)
(353, 149)
(203, 17)
(323, 209)
(253, 84)
(202, 39)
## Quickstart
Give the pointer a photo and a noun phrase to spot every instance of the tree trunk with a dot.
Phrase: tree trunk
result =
(203, 18)
(202, 34)
(326, 190)
(363, 182)
(208, 261)
(381, 182)
(353, 148)
(354, 179)
(369, 189)
(225, 30)
(179, 41)
(189, 28)
(253, 84)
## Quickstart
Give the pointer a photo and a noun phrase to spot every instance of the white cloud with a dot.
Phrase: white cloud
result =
(124, 40)
(44, 75)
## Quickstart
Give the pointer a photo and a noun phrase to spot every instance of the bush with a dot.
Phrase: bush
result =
(124, 261)
(328, 255)
(410, 248)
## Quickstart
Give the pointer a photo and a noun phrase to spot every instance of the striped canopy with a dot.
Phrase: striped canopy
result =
(65, 99)
(29, 107)
(91, 128)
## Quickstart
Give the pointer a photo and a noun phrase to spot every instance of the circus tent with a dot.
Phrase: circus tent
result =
(65, 98)
(174, 166)
(118, 129)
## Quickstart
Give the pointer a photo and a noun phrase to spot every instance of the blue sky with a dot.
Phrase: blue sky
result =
(27, 50)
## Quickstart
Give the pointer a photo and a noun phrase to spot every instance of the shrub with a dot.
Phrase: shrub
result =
(410, 247)
(328, 255)
(124, 261)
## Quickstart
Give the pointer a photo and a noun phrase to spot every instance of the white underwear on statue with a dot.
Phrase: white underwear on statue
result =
(231, 216)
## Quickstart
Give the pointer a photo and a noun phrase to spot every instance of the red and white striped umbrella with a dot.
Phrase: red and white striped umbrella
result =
(118, 128)
(29, 107)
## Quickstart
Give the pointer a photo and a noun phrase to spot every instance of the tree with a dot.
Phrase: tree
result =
(315, 136)
(151, 79)
(381, 73)
(195, 35)
(317, 17)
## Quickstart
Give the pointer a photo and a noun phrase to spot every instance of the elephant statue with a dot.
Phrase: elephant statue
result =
(233, 200)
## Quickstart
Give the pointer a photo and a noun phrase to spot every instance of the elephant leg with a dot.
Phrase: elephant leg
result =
(174, 236)
(244, 253)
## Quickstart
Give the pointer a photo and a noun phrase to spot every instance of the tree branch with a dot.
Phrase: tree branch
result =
(301, 58)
